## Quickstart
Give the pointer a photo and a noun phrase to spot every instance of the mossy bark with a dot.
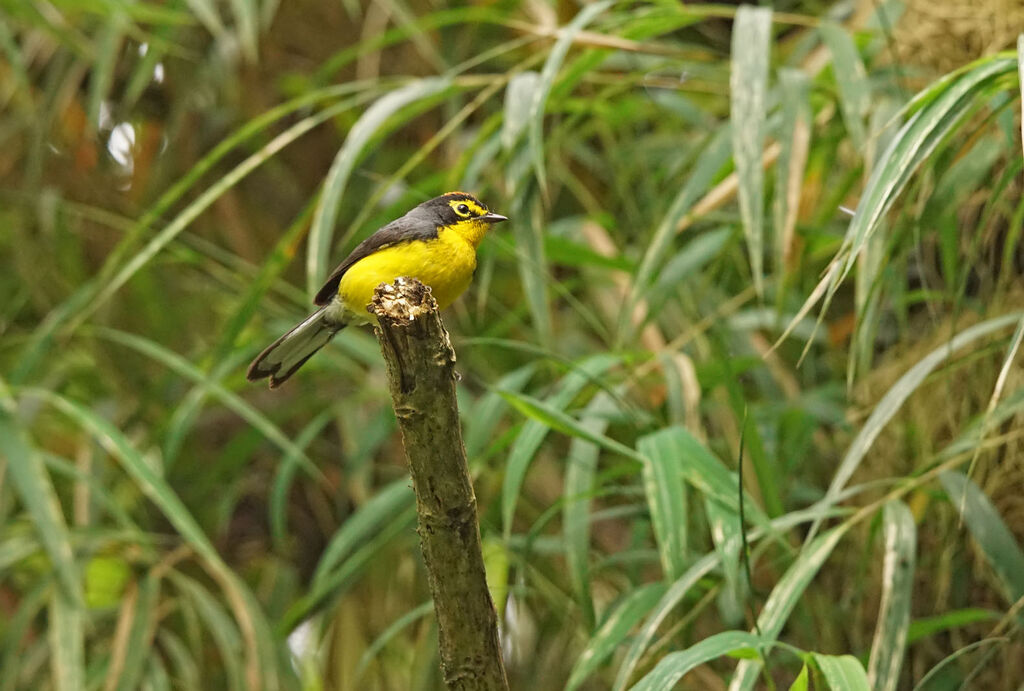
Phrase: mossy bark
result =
(420, 366)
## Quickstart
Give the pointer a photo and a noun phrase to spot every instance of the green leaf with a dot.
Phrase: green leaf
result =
(363, 524)
(388, 634)
(581, 468)
(230, 400)
(536, 429)
(784, 597)
(852, 80)
(748, 87)
(942, 107)
(842, 672)
(669, 601)
(674, 666)
(67, 642)
(548, 74)
(38, 496)
(794, 144)
(929, 626)
(988, 528)
(519, 96)
(613, 631)
(666, 496)
(321, 233)
(890, 642)
(801, 681)
(894, 398)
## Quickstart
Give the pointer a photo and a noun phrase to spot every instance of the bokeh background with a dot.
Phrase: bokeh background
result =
(771, 248)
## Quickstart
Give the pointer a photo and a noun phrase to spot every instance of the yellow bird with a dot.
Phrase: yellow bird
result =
(435, 242)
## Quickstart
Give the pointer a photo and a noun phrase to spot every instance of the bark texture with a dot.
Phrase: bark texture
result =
(420, 366)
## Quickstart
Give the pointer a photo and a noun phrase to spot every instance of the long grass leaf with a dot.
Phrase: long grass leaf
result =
(843, 672)
(534, 431)
(389, 502)
(518, 106)
(794, 145)
(370, 123)
(893, 400)
(852, 80)
(67, 642)
(580, 471)
(547, 80)
(35, 490)
(674, 666)
(989, 530)
(784, 597)
(613, 631)
(945, 106)
(748, 87)
(230, 400)
(666, 497)
(890, 641)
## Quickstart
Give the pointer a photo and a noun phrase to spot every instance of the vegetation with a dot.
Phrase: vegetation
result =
(757, 249)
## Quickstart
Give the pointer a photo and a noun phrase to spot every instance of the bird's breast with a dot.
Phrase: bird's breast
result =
(445, 263)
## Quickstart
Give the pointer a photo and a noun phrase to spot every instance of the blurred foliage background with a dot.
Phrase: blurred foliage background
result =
(771, 248)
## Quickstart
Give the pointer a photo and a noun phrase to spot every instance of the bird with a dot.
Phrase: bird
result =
(435, 242)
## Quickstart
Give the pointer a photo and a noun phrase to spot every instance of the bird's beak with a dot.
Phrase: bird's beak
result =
(493, 218)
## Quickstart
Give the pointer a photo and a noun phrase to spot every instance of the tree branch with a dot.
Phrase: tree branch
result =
(420, 365)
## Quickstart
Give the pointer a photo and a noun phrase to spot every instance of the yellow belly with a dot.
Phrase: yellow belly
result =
(446, 264)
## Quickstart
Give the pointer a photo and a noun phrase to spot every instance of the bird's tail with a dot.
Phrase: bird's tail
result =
(284, 356)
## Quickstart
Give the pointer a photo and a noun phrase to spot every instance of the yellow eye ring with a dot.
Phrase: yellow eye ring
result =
(462, 210)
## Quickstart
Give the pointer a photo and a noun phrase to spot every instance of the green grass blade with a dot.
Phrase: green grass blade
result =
(801, 682)
(898, 394)
(662, 474)
(674, 666)
(390, 633)
(487, 411)
(712, 160)
(795, 141)
(101, 77)
(748, 87)
(617, 625)
(527, 220)
(724, 525)
(139, 642)
(890, 642)
(19, 625)
(929, 626)
(362, 525)
(277, 506)
(784, 597)
(222, 629)
(559, 421)
(989, 530)
(532, 435)
(580, 471)
(174, 510)
(370, 123)
(518, 106)
(232, 401)
(852, 80)
(843, 672)
(247, 26)
(547, 80)
(934, 672)
(32, 484)
(945, 106)
(672, 597)
(67, 642)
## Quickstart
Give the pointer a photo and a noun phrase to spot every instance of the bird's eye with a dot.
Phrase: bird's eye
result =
(462, 210)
